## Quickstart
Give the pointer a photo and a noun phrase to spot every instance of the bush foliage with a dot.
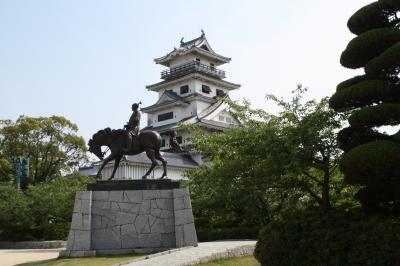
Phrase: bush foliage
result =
(16, 216)
(42, 212)
(373, 16)
(365, 93)
(386, 64)
(365, 47)
(339, 237)
(212, 234)
(360, 166)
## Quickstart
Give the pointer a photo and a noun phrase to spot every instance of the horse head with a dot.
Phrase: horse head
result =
(101, 138)
(95, 149)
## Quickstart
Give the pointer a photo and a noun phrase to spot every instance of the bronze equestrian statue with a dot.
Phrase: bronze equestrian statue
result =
(128, 142)
(132, 127)
(173, 142)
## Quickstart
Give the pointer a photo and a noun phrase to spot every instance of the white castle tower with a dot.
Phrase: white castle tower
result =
(189, 91)
(187, 94)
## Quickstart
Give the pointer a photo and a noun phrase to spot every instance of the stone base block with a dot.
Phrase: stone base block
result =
(125, 221)
(77, 253)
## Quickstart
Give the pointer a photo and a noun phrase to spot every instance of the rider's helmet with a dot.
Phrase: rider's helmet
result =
(136, 105)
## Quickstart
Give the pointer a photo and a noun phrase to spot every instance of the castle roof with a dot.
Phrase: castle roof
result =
(218, 82)
(167, 99)
(170, 99)
(177, 160)
(173, 159)
(198, 45)
(204, 119)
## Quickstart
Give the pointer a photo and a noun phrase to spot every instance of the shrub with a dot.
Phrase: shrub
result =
(350, 82)
(42, 212)
(386, 63)
(211, 234)
(338, 237)
(384, 114)
(349, 137)
(365, 93)
(374, 15)
(369, 44)
(16, 221)
(52, 206)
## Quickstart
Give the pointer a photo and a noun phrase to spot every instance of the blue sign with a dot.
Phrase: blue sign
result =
(21, 169)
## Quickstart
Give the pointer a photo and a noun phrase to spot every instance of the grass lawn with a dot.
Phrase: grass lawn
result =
(89, 261)
(239, 261)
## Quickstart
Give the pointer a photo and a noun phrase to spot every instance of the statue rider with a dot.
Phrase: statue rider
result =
(132, 127)
(174, 142)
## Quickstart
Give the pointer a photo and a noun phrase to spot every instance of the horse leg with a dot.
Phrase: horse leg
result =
(106, 160)
(116, 164)
(164, 163)
(151, 155)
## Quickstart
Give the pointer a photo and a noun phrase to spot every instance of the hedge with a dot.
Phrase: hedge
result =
(350, 82)
(16, 216)
(372, 16)
(338, 237)
(372, 163)
(365, 93)
(385, 114)
(42, 212)
(368, 45)
(386, 64)
(211, 234)
(350, 137)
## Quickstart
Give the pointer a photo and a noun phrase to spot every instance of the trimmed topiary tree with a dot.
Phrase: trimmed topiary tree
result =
(372, 158)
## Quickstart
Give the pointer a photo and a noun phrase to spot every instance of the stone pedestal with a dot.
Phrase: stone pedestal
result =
(142, 216)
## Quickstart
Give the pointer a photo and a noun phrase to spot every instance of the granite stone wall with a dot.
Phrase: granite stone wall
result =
(115, 222)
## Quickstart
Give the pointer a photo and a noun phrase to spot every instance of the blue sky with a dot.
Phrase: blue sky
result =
(90, 60)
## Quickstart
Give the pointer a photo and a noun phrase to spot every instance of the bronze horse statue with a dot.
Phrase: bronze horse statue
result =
(146, 141)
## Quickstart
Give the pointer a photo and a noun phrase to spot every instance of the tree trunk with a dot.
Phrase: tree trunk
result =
(326, 203)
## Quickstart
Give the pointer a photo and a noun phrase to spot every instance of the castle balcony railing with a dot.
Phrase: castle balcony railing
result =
(192, 67)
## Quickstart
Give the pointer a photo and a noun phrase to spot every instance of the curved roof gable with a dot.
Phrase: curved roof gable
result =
(199, 45)
(167, 98)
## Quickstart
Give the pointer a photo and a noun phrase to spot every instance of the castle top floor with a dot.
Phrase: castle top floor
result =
(197, 51)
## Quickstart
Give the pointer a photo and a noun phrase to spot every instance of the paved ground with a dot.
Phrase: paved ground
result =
(205, 252)
(10, 257)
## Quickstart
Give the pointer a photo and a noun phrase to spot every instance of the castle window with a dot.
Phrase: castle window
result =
(212, 66)
(198, 60)
(184, 89)
(221, 118)
(179, 139)
(220, 93)
(229, 120)
(205, 89)
(165, 116)
(204, 47)
(163, 143)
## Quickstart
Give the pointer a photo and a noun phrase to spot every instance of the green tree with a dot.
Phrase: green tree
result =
(51, 205)
(372, 158)
(50, 143)
(270, 162)
(308, 130)
(238, 186)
